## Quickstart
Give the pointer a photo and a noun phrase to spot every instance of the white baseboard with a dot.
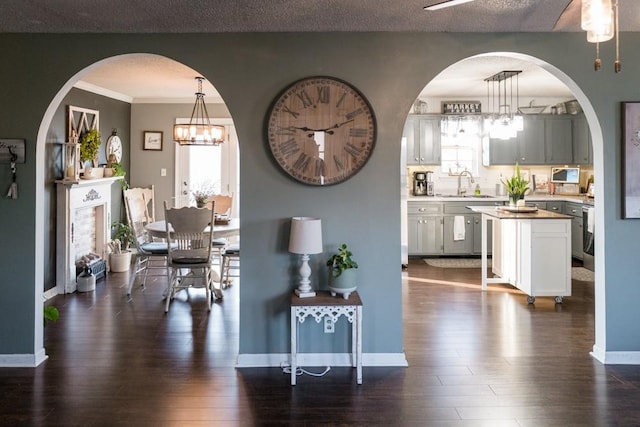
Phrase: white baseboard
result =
(22, 360)
(616, 357)
(50, 293)
(320, 359)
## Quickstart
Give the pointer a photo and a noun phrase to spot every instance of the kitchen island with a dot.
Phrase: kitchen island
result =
(531, 250)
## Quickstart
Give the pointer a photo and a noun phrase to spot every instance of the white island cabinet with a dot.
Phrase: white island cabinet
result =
(531, 251)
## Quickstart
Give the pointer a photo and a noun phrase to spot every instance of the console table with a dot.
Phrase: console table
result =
(320, 306)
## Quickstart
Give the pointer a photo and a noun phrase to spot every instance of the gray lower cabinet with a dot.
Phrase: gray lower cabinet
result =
(425, 235)
(575, 210)
(424, 226)
(458, 247)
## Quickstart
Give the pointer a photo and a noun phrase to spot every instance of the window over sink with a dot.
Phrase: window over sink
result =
(461, 139)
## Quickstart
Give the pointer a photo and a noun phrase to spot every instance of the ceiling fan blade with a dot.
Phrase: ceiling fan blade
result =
(570, 16)
(446, 3)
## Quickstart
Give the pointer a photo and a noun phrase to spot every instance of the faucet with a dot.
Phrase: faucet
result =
(461, 190)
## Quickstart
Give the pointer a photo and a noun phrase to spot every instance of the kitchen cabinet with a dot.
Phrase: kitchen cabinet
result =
(582, 145)
(472, 243)
(546, 140)
(424, 227)
(527, 148)
(558, 134)
(422, 133)
(555, 206)
(575, 210)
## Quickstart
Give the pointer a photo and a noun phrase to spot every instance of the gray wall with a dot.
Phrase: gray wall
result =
(390, 69)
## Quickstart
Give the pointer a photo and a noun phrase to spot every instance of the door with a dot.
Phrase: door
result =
(213, 167)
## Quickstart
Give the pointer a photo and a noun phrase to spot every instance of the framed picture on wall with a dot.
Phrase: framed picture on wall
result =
(631, 159)
(152, 140)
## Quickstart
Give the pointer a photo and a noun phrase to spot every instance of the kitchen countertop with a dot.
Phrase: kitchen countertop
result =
(490, 198)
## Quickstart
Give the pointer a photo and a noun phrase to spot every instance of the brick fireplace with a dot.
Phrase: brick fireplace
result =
(83, 226)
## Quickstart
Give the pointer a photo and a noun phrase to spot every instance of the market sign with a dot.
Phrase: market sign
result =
(461, 107)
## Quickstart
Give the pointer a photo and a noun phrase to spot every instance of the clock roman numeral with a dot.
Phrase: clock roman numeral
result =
(319, 168)
(302, 162)
(341, 99)
(305, 98)
(323, 94)
(352, 149)
(338, 163)
(289, 147)
(290, 111)
(354, 113)
(285, 131)
(358, 132)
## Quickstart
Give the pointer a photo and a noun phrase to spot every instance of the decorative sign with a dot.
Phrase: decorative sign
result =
(461, 107)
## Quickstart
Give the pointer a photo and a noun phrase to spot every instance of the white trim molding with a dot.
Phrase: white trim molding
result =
(319, 359)
(616, 357)
(23, 360)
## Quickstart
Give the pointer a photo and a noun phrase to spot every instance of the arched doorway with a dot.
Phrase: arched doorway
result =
(464, 82)
(168, 86)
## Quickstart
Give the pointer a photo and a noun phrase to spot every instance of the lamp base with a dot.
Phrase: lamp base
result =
(307, 294)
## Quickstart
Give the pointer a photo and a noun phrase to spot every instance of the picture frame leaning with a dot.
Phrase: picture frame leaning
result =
(152, 140)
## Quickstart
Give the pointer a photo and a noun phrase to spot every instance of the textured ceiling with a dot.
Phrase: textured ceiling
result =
(174, 16)
(148, 78)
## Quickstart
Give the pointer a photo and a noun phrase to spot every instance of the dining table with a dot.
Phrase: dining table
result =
(158, 229)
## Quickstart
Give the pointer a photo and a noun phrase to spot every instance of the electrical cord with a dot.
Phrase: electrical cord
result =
(286, 369)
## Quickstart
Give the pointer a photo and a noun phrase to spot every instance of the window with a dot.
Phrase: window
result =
(460, 144)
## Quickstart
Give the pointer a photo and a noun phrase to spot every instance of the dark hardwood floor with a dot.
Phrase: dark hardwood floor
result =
(475, 359)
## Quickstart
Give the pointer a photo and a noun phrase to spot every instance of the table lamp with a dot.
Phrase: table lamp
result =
(305, 239)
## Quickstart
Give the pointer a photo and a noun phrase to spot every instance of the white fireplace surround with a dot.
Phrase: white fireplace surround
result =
(73, 198)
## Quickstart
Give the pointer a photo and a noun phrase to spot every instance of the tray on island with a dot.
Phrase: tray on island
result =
(520, 209)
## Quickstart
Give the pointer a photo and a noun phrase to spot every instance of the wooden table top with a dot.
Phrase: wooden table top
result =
(325, 298)
(496, 212)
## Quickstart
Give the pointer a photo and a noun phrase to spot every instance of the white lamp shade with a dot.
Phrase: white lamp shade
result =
(306, 235)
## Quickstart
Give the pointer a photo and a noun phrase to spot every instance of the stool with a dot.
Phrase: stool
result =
(230, 252)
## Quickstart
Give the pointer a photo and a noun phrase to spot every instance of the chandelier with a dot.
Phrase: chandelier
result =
(199, 130)
(504, 120)
(600, 21)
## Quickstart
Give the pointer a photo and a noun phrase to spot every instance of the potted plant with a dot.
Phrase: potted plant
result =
(89, 145)
(202, 195)
(516, 187)
(120, 256)
(342, 272)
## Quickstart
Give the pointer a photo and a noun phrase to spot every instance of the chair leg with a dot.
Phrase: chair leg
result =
(132, 279)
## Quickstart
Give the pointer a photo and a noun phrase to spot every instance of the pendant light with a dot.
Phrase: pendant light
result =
(505, 120)
(599, 19)
(199, 130)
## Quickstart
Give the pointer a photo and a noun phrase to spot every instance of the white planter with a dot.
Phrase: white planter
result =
(343, 284)
(121, 262)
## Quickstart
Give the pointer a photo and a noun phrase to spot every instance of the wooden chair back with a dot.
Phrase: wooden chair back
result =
(221, 204)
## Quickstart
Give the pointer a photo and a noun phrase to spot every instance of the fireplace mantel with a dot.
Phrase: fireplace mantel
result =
(83, 225)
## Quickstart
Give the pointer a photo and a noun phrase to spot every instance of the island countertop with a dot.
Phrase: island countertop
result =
(496, 212)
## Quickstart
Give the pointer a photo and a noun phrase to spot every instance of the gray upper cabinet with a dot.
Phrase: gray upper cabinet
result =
(527, 148)
(582, 146)
(546, 140)
(558, 139)
(423, 139)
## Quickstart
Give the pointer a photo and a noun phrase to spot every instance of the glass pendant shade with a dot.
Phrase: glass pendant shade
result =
(596, 15)
(199, 130)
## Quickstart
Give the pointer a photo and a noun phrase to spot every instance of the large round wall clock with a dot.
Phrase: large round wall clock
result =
(321, 130)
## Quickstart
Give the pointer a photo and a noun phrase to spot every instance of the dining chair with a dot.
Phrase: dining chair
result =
(150, 254)
(231, 253)
(221, 205)
(189, 236)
